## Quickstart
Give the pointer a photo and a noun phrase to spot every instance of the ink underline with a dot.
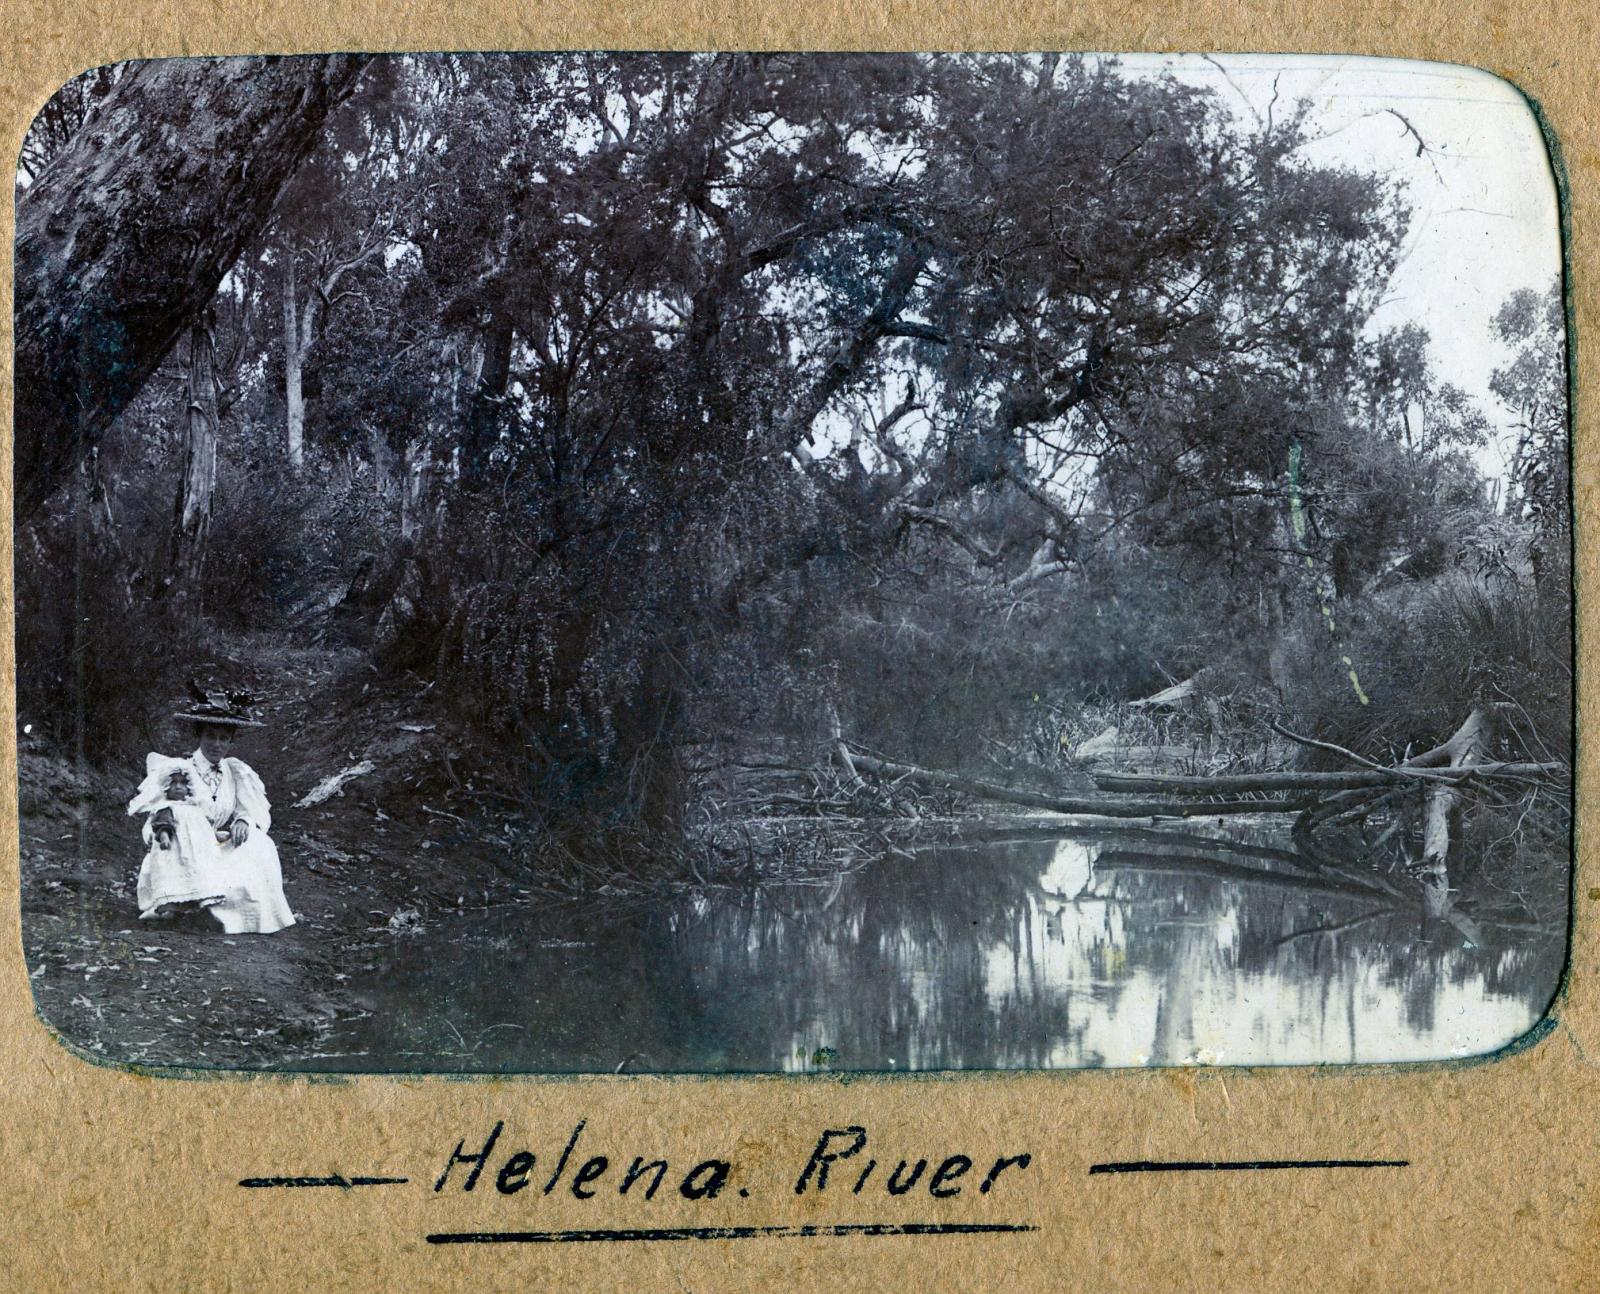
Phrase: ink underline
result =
(336, 1180)
(728, 1233)
(1239, 1165)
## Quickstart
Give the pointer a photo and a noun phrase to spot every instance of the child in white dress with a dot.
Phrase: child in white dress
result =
(183, 861)
(206, 824)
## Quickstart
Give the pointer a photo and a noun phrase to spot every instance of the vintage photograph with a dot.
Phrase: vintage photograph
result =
(627, 562)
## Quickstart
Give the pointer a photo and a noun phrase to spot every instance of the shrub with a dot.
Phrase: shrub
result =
(1424, 657)
(281, 543)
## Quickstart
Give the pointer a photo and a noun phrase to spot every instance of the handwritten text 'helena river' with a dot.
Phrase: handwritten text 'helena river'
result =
(842, 1161)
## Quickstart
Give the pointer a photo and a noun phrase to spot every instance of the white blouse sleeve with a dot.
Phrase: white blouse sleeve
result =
(250, 796)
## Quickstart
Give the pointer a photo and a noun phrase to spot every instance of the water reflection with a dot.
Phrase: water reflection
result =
(1019, 955)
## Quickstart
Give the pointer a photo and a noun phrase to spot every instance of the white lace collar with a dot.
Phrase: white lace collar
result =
(211, 774)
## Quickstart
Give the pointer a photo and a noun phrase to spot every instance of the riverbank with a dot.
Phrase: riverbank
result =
(409, 863)
(362, 868)
(177, 991)
(414, 952)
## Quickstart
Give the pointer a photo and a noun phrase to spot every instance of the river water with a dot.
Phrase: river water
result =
(1040, 953)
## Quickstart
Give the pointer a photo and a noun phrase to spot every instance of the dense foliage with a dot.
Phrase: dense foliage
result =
(629, 404)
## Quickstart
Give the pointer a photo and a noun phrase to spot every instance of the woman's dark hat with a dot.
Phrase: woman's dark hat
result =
(219, 709)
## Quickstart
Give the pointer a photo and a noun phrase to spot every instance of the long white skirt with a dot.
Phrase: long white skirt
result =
(190, 870)
(253, 902)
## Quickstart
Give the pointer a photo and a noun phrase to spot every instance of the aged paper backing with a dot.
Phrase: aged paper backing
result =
(128, 1182)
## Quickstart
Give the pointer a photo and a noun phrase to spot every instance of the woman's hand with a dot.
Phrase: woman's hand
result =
(240, 831)
(164, 836)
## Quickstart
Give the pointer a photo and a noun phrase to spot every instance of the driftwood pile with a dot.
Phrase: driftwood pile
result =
(1442, 777)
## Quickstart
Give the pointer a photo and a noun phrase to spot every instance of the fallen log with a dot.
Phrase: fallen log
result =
(1352, 780)
(1097, 806)
(1342, 806)
(841, 750)
(1362, 808)
(1465, 744)
(1166, 699)
(1216, 869)
(1020, 827)
(333, 784)
(1194, 842)
(1441, 774)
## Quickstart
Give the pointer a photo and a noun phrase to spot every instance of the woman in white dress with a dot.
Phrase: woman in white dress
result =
(206, 825)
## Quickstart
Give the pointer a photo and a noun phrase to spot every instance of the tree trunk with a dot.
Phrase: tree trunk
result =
(294, 351)
(400, 612)
(125, 237)
(192, 514)
(1442, 810)
(1280, 668)
(483, 412)
(343, 474)
(417, 473)
(1352, 780)
(840, 749)
(846, 361)
(382, 456)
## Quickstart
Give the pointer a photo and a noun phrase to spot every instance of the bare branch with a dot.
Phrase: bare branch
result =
(847, 359)
(980, 551)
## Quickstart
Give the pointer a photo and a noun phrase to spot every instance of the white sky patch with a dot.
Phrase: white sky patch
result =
(1485, 214)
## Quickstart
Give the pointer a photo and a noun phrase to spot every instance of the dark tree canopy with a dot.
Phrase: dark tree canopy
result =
(639, 401)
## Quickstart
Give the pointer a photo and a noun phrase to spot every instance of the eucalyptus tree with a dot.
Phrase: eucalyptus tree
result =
(608, 247)
(340, 218)
(198, 477)
(217, 362)
(1532, 386)
(1142, 323)
(123, 237)
(1141, 308)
